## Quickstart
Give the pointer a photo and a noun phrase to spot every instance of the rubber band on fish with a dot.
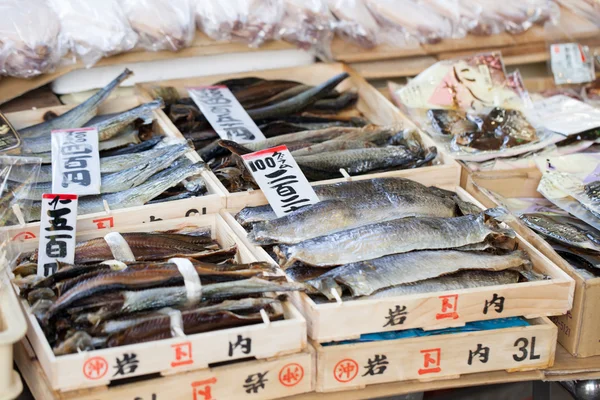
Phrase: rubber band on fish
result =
(175, 319)
(119, 247)
(191, 280)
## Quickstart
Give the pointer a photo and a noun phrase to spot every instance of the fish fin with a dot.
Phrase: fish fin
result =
(430, 156)
(234, 147)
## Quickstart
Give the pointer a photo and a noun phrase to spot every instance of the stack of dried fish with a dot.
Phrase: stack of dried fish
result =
(134, 171)
(101, 302)
(573, 239)
(389, 236)
(320, 125)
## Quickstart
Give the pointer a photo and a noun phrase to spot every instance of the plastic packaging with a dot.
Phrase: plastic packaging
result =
(93, 29)
(17, 175)
(513, 16)
(250, 21)
(13, 327)
(354, 22)
(474, 110)
(29, 43)
(589, 9)
(309, 25)
(412, 18)
(162, 25)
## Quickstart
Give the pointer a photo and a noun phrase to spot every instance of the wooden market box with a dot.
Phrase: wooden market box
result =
(371, 103)
(579, 329)
(448, 356)
(212, 202)
(199, 351)
(349, 319)
(264, 379)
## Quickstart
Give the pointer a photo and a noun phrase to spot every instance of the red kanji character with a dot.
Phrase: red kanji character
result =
(205, 391)
(100, 222)
(345, 370)
(183, 354)
(95, 368)
(431, 361)
(291, 374)
(449, 307)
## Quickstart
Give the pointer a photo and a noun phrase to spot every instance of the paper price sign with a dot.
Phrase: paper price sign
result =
(57, 232)
(75, 161)
(571, 63)
(281, 180)
(225, 114)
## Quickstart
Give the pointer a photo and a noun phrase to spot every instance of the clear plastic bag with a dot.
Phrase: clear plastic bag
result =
(250, 21)
(589, 9)
(17, 175)
(411, 18)
(29, 43)
(513, 16)
(354, 22)
(309, 25)
(162, 25)
(93, 29)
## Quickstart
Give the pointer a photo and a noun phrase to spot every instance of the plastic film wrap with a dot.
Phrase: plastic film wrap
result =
(162, 25)
(17, 176)
(354, 22)
(93, 29)
(309, 25)
(249, 21)
(29, 43)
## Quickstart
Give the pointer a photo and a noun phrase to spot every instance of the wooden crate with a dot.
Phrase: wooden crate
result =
(212, 202)
(578, 329)
(268, 339)
(350, 319)
(436, 357)
(371, 103)
(285, 376)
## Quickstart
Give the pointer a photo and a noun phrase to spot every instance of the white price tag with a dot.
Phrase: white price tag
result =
(75, 161)
(571, 63)
(57, 232)
(225, 114)
(281, 180)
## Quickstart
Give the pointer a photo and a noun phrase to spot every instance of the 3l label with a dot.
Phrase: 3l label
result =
(281, 180)
(225, 114)
(75, 161)
(57, 232)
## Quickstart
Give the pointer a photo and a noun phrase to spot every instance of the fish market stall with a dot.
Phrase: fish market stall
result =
(134, 173)
(321, 121)
(331, 234)
(567, 240)
(86, 330)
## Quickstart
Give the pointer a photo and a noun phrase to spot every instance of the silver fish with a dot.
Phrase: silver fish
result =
(331, 216)
(342, 190)
(107, 128)
(567, 230)
(136, 196)
(314, 136)
(367, 277)
(333, 145)
(77, 116)
(122, 180)
(391, 237)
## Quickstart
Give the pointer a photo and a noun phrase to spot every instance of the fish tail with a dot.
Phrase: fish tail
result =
(234, 147)
(325, 286)
(283, 254)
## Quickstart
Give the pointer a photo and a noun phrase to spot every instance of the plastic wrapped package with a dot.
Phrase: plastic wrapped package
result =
(354, 22)
(470, 107)
(29, 43)
(162, 25)
(411, 18)
(309, 25)
(462, 20)
(589, 9)
(250, 21)
(17, 175)
(93, 29)
(513, 16)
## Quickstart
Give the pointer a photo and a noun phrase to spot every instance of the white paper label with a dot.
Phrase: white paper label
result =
(75, 161)
(571, 63)
(57, 232)
(225, 114)
(565, 115)
(281, 180)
